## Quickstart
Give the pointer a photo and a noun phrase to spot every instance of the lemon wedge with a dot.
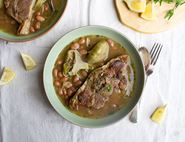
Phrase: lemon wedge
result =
(28, 61)
(7, 76)
(158, 114)
(136, 5)
(150, 12)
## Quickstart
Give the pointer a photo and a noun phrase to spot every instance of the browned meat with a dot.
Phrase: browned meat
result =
(21, 11)
(100, 84)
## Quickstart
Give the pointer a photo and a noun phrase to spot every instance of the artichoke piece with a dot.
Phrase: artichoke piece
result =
(69, 61)
(99, 52)
(78, 64)
(74, 63)
(39, 4)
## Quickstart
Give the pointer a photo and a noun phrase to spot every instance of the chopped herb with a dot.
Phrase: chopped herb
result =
(109, 88)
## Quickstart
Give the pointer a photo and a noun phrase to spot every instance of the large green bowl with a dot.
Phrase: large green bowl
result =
(48, 80)
(53, 20)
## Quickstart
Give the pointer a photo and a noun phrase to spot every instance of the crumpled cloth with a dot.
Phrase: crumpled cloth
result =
(27, 116)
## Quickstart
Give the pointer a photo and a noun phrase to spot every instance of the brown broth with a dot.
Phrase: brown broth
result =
(115, 103)
(7, 24)
(116, 100)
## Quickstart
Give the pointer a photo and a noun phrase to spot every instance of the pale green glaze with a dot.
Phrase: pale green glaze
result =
(48, 81)
(53, 21)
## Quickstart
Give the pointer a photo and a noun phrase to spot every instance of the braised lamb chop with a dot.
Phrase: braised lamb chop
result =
(22, 12)
(101, 83)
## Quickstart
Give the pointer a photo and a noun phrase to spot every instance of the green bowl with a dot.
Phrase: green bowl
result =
(15, 38)
(48, 80)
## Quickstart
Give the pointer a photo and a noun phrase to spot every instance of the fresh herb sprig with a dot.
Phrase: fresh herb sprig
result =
(171, 12)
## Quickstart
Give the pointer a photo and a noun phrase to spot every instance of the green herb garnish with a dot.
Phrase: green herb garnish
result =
(171, 12)
(109, 88)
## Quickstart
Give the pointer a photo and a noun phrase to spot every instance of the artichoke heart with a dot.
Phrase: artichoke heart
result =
(74, 63)
(39, 4)
(69, 61)
(99, 52)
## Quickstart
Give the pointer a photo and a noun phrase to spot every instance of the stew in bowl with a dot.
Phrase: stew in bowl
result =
(93, 76)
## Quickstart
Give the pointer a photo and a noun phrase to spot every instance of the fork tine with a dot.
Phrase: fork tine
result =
(153, 49)
(155, 53)
(158, 54)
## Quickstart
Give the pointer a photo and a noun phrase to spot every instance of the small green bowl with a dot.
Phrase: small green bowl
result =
(48, 79)
(15, 38)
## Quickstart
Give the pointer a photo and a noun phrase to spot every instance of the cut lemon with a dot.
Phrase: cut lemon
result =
(7, 76)
(158, 114)
(150, 12)
(136, 5)
(28, 61)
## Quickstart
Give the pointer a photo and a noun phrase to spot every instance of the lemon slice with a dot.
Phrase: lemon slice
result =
(7, 76)
(150, 12)
(28, 61)
(136, 5)
(158, 114)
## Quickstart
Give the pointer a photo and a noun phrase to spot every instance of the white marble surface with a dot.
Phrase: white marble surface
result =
(27, 116)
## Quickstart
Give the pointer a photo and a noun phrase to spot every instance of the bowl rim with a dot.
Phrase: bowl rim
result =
(102, 27)
(39, 35)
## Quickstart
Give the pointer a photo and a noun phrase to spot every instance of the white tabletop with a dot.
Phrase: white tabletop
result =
(27, 116)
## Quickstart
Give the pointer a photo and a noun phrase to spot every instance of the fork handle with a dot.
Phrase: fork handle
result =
(135, 114)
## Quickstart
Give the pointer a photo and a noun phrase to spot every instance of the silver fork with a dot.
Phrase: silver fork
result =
(154, 54)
